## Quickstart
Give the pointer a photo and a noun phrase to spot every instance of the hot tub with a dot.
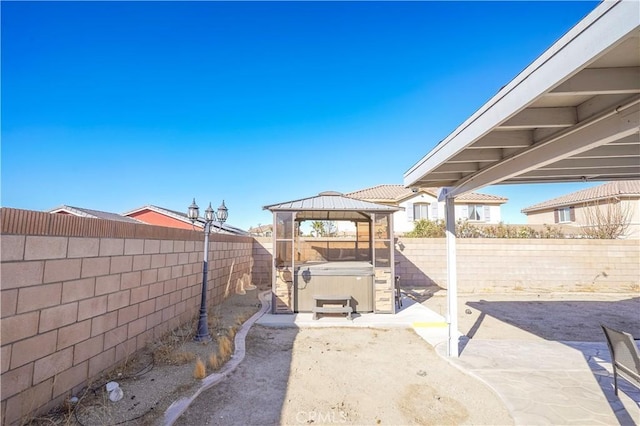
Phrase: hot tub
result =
(334, 278)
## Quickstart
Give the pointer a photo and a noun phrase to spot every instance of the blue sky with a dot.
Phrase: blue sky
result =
(115, 105)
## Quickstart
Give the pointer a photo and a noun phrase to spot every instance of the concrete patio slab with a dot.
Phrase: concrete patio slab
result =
(550, 383)
(428, 324)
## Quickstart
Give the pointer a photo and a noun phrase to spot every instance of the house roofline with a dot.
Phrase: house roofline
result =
(185, 219)
(71, 210)
(580, 203)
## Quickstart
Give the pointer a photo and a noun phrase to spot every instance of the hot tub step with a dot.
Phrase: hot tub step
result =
(332, 310)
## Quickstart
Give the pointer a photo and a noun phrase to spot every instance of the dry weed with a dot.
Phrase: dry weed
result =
(240, 319)
(199, 371)
(169, 350)
(182, 357)
(231, 332)
(225, 348)
(214, 362)
(213, 321)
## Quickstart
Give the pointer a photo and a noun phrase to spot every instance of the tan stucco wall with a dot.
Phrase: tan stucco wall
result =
(402, 223)
(632, 206)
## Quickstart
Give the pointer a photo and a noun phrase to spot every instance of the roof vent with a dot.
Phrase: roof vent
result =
(330, 193)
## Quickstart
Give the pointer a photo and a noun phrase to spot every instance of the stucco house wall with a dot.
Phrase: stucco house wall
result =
(489, 213)
(609, 198)
(487, 207)
(582, 217)
(404, 221)
(155, 218)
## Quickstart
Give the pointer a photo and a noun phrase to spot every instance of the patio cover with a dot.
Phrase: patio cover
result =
(572, 115)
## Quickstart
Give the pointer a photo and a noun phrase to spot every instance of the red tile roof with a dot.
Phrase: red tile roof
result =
(397, 193)
(387, 193)
(622, 188)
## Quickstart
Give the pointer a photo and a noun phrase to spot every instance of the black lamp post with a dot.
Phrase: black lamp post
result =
(209, 216)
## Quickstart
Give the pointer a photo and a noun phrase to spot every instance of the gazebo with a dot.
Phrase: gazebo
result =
(360, 266)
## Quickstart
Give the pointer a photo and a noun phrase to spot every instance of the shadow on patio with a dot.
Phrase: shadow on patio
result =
(534, 352)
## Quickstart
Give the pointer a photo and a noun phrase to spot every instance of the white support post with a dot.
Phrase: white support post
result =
(452, 279)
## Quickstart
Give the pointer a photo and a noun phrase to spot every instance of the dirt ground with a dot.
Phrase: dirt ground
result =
(158, 375)
(342, 375)
(345, 376)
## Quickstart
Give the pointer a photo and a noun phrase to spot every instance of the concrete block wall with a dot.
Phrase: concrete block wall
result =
(262, 262)
(493, 265)
(79, 296)
(330, 249)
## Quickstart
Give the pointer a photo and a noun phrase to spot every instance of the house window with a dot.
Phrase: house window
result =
(565, 215)
(420, 211)
(475, 212)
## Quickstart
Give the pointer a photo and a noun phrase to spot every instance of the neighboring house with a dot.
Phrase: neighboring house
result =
(94, 214)
(154, 215)
(261, 230)
(423, 204)
(586, 207)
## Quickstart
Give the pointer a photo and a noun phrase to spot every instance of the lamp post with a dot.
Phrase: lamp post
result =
(209, 216)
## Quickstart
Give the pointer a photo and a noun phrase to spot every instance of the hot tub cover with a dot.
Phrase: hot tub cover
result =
(350, 268)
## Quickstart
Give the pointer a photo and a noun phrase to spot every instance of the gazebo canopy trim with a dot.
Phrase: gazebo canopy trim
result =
(333, 202)
(333, 216)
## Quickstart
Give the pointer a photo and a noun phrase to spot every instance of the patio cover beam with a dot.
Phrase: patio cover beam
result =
(618, 124)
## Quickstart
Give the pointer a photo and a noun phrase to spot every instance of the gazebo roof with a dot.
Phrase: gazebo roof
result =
(331, 205)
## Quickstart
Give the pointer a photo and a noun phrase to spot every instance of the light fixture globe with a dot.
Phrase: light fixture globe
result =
(194, 211)
(208, 213)
(223, 213)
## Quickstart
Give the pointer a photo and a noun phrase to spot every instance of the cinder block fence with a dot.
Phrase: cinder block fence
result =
(488, 265)
(81, 295)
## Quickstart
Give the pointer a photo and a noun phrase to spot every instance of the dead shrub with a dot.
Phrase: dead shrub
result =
(225, 348)
(199, 371)
(214, 362)
(231, 332)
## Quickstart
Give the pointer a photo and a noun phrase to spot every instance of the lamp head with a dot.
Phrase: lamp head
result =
(223, 213)
(208, 213)
(194, 211)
